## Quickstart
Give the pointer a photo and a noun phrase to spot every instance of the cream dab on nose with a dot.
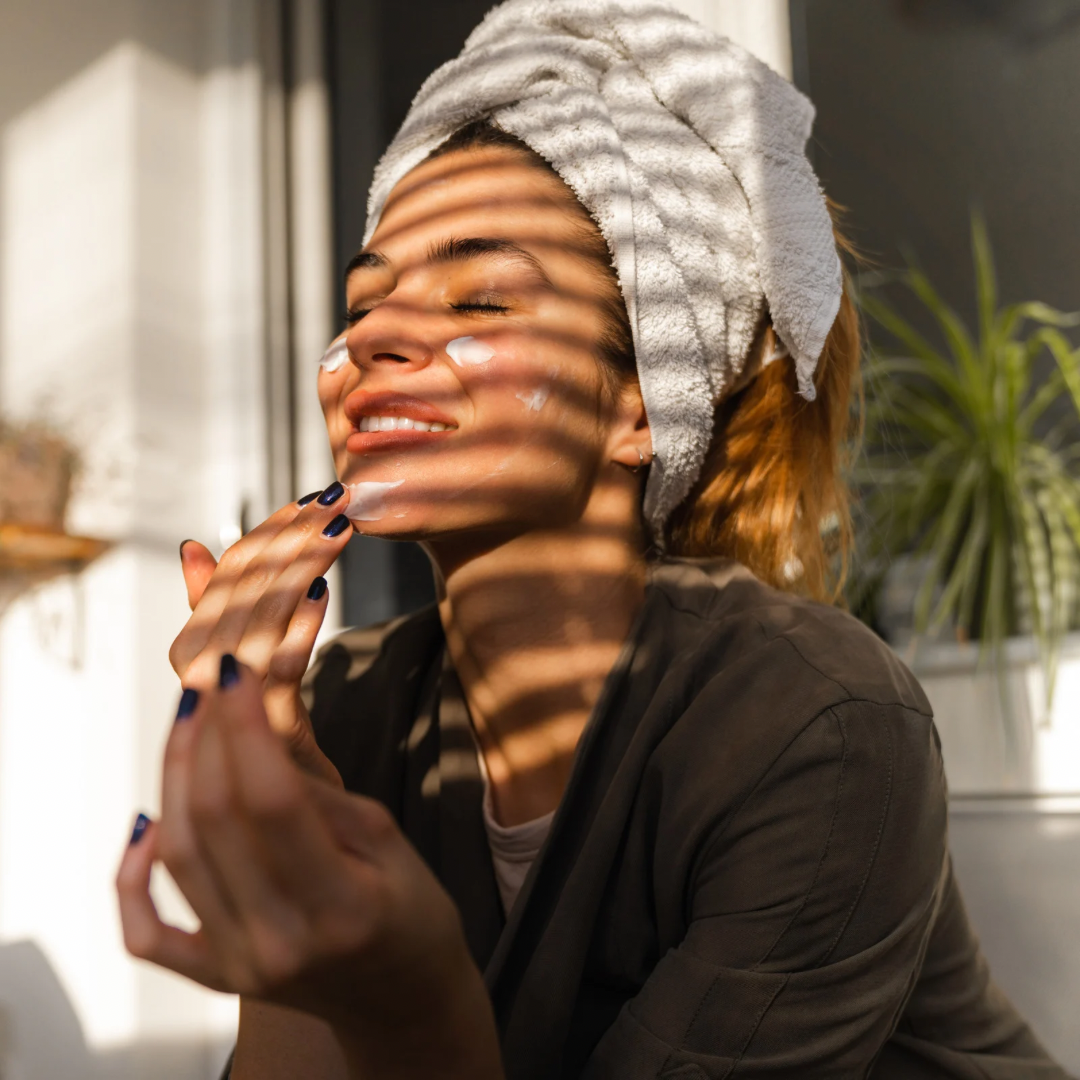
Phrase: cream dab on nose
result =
(336, 357)
(468, 351)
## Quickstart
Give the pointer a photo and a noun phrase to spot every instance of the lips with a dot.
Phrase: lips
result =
(388, 421)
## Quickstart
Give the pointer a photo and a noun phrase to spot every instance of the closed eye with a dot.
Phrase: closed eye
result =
(482, 307)
(353, 315)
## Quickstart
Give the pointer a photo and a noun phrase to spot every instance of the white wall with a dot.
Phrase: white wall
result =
(133, 317)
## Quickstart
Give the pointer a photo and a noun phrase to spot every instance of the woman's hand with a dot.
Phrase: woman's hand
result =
(264, 603)
(307, 896)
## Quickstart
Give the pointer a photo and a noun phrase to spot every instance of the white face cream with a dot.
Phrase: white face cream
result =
(468, 351)
(336, 357)
(367, 499)
(534, 399)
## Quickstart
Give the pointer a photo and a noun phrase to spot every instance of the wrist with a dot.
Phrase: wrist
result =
(451, 1035)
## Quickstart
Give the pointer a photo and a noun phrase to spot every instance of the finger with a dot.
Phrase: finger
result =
(285, 710)
(289, 608)
(265, 598)
(289, 660)
(193, 639)
(215, 594)
(177, 842)
(198, 566)
(300, 851)
(274, 932)
(145, 935)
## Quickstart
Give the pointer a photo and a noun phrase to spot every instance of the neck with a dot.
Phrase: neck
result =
(533, 626)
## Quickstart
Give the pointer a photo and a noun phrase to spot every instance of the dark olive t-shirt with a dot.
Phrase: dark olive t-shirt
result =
(748, 873)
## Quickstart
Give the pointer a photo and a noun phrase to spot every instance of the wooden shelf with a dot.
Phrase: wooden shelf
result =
(35, 550)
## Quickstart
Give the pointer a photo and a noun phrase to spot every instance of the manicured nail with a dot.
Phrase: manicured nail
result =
(336, 527)
(308, 498)
(188, 700)
(331, 494)
(142, 823)
(182, 543)
(229, 674)
(318, 589)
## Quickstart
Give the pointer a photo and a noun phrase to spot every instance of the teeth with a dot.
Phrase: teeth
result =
(398, 423)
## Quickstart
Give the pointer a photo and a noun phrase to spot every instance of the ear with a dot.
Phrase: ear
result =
(630, 440)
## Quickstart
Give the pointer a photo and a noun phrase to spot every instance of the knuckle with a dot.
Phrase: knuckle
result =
(141, 941)
(231, 561)
(257, 577)
(178, 855)
(288, 665)
(210, 803)
(273, 805)
(379, 821)
(277, 958)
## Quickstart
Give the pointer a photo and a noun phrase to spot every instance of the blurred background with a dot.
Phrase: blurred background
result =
(181, 184)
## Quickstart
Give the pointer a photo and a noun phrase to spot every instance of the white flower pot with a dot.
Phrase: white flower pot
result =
(997, 743)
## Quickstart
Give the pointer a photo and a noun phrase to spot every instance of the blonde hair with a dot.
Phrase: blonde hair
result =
(772, 493)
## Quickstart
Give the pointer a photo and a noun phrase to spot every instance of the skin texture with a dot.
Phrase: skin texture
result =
(347, 952)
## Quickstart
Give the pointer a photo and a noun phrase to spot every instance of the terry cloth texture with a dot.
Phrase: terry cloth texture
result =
(689, 154)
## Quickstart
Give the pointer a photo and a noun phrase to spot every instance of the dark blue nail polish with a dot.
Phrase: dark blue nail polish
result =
(318, 589)
(229, 674)
(182, 543)
(331, 494)
(336, 527)
(142, 823)
(189, 699)
(308, 498)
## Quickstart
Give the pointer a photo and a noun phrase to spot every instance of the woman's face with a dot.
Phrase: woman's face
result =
(471, 398)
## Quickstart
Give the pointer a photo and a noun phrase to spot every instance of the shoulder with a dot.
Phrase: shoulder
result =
(736, 619)
(767, 690)
(800, 737)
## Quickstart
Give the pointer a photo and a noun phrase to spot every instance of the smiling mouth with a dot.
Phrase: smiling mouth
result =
(399, 423)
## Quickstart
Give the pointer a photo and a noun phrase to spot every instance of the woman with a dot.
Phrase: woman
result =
(601, 811)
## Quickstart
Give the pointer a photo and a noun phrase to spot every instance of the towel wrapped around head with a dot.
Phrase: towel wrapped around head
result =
(689, 153)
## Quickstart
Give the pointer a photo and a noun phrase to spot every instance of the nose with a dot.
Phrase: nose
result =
(391, 334)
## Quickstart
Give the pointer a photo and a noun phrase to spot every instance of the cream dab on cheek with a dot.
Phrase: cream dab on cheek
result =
(336, 357)
(367, 499)
(533, 400)
(467, 351)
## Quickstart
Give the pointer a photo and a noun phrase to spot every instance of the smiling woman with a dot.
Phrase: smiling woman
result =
(627, 801)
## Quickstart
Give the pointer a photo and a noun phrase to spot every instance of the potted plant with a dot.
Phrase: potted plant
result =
(971, 491)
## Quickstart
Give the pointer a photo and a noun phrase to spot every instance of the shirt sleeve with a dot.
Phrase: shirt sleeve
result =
(809, 912)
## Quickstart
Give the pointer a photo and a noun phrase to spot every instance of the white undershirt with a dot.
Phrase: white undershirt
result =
(513, 847)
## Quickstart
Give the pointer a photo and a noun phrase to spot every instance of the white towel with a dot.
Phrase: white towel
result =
(689, 153)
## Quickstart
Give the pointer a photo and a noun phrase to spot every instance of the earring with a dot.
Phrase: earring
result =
(642, 463)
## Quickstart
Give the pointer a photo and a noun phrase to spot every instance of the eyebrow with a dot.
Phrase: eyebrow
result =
(455, 249)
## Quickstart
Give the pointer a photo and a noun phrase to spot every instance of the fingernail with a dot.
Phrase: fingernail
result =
(182, 543)
(229, 674)
(188, 700)
(308, 498)
(142, 823)
(331, 494)
(318, 589)
(336, 527)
